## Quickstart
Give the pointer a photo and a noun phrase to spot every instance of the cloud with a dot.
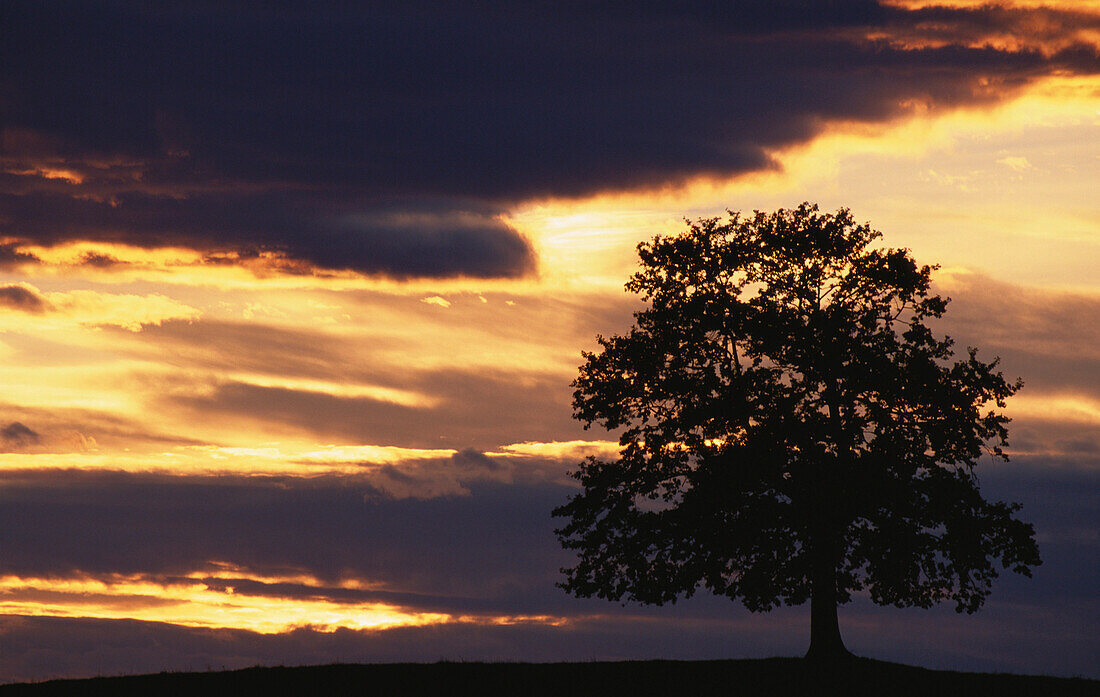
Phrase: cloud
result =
(129, 312)
(494, 386)
(388, 140)
(64, 430)
(472, 409)
(23, 297)
(494, 544)
(37, 648)
(11, 257)
(492, 550)
(16, 436)
(1046, 30)
(395, 335)
(423, 238)
(92, 308)
(1048, 337)
(1015, 163)
(436, 300)
(255, 347)
(489, 553)
(100, 261)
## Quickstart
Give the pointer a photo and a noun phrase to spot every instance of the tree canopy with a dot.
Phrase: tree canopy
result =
(791, 429)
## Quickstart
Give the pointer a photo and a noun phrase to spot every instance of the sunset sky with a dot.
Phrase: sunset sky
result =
(291, 296)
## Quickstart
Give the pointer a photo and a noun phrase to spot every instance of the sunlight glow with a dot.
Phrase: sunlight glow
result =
(46, 172)
(940, 182)
(89, 308)
(567, 450)
(1063, 408)
(1023, 4)
(238, 600)
(393, 395)
(190, 602)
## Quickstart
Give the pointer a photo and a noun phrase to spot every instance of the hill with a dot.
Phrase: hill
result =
(773, 676)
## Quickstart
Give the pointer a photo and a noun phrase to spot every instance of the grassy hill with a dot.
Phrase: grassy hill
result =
(773, 676)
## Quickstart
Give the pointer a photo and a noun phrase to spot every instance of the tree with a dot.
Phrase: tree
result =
(791, 430)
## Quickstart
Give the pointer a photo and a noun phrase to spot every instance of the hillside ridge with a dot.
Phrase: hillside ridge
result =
(771, 676)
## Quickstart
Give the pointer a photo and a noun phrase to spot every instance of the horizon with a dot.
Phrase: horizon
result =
(292, 300)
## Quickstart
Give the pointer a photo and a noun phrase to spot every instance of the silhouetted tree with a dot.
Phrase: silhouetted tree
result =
(792, 430)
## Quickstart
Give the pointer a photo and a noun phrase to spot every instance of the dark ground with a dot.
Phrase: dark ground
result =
(773, 676)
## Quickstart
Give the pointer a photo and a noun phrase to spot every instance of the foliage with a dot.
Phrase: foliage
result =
(787, 412)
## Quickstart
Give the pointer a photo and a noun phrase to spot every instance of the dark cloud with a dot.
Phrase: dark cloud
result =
(494, 545)
(423, 240)
(36, 648)
(492, 552)
(208, 344)
(467, 407)
(41, 647)
(385, 138)
(11, 256)
(1049, 338)
(22, 297)
(100, 261)
(472, 460)
(16, 435)
(76, 430)
(1081, 445)
(475, 409)
(1077, 444)
(1043, 29)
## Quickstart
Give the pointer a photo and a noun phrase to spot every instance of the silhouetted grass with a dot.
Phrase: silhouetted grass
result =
(772, 676)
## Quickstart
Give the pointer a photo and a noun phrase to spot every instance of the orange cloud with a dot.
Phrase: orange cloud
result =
(191, 602)
(88, 308)
(1004, 25)
(49, 173)
(1014, 4)
(227, 597)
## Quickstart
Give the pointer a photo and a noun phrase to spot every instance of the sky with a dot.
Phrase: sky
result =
(292, 294)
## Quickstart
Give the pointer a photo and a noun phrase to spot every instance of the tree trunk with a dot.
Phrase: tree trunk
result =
(826, 644)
